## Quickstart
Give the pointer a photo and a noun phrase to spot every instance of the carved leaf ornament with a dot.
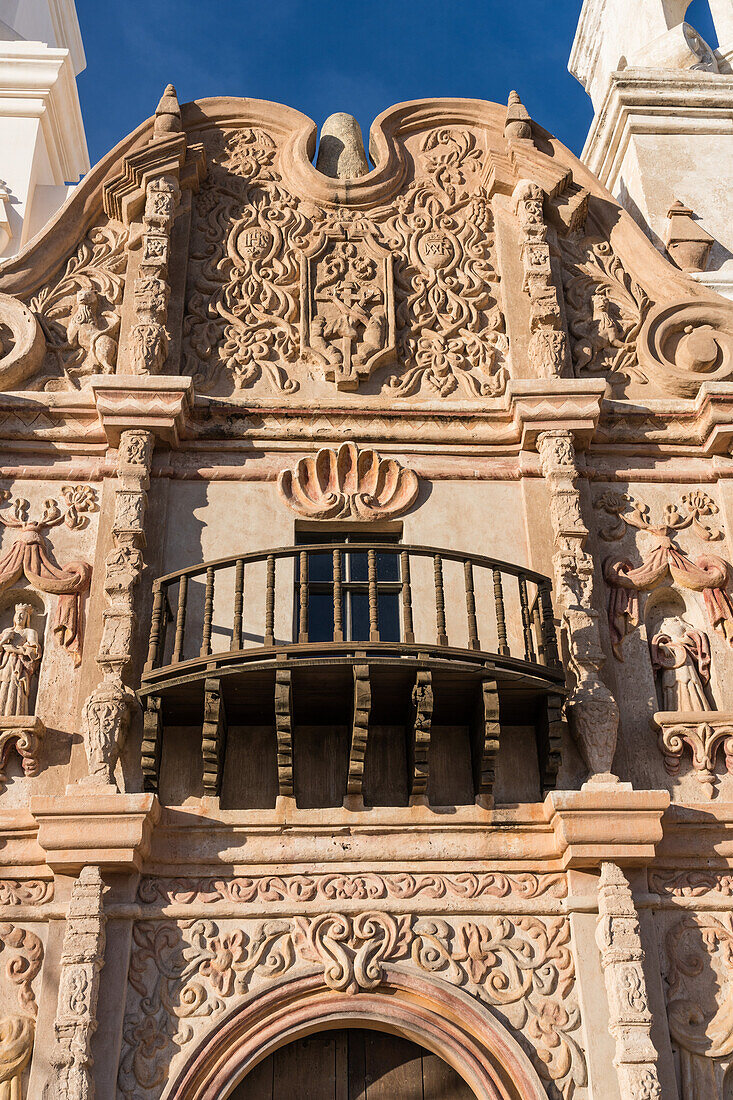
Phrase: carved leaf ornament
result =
(348, 484)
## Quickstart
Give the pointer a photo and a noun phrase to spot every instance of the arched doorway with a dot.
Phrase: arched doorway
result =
(353, 1064)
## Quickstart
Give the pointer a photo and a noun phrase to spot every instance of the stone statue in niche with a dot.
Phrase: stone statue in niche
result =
(681, 657)
(20, 656)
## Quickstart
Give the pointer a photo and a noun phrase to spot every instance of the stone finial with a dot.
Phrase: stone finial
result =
(168, 114)
(688, 244)
(341, 148)
(518, 123)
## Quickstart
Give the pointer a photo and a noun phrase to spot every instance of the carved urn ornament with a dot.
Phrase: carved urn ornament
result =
(348, 484)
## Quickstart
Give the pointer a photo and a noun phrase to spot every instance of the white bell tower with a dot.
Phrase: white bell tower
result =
(43, 148)
(661, 139)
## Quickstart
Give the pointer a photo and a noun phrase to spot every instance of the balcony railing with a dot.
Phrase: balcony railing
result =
(250, 630)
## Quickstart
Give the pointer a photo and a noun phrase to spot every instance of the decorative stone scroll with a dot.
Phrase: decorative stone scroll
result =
(348, 483)
(82, 958)
(548, 347)
(23, 734)
(593, 710)
(622, 956)
(703, 732)
(194, 973)
(699, 998)
(708, 573)
(28, 557)
(23, 952)
(107, 710)
(22, 344)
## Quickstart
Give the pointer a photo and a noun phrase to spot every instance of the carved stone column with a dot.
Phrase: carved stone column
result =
(592, 708)
(82, 959)
(107, 710)
(149, 334)
(630, 1020)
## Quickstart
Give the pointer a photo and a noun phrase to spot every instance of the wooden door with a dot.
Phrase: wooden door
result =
(352, 1064)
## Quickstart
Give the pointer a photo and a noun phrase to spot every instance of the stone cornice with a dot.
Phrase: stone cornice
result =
(112, 831)
(153, 403)
(606, 822)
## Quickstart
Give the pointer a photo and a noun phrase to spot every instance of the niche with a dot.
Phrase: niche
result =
(680, 651)
(20, 658)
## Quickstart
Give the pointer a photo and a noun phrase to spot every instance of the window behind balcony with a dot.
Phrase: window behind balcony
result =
(321, 590)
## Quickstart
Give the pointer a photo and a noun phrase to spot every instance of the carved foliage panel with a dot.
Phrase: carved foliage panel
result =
(184, 976)
(284, 293)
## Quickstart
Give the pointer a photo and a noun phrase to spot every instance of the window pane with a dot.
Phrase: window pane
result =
(388, 567)
(320, 567)
(359, 617)
(389, 617)
(359, 567)
(320, 617)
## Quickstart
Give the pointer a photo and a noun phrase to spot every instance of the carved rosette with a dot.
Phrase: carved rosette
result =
(594, 713)
(82, 958)
(548, 347)
(630, 1019)
(108, 709)
(348, 483)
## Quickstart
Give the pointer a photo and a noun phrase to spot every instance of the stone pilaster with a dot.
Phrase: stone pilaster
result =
(82, 959)
(150, 338)
(630, 1019)
(107, 710)
(592, 708)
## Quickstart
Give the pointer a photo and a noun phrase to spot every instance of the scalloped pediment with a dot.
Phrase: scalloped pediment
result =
(477, 250)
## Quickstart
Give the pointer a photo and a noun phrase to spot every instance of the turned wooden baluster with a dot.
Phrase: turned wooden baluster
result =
(238, 605)
(338, 610)
(270, 601)
(473, 640)
(373, 596)
(552, 656)
(538, 634)
(155, 622)
(180, 620)
(208, 612)
(407, 628)
(526, 623)
(303, 591)
(503, 646)
(442, 636)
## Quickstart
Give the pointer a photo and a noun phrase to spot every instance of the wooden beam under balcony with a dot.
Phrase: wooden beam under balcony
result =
(485, 738)
(419, 731)
(551, 724)
(284, 731)
(359, 737)
(151, 743)
(213, 736)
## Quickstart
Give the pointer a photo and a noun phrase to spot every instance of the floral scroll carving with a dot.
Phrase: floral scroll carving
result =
(79, 314)
(184, 977)
(282, 287)
(699, 950)
(23, 952)
(348, 483)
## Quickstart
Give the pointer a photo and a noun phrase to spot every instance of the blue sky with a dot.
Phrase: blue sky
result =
(322, 56)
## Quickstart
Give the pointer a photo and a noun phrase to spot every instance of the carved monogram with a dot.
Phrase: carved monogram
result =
(282, 286)
(183, 977)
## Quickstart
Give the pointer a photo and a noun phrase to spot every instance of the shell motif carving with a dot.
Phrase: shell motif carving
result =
(348, 484)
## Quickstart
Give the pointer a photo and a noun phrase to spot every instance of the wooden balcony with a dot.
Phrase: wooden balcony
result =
(356, 635)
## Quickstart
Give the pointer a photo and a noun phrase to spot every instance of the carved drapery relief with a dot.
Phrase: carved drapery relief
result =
(28, 557)
(593, 710)
(149, 337)
(699, 973)
(282, 286)
(548, 346)
(348, 483)
(708, 573)
(82, 958)
(606, 309)
(365, 886)
(184, 977)
(630, 1019)
(21, 956)
(107, 710)
(80, 312)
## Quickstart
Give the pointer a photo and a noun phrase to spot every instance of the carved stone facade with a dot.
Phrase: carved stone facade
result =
(395, 511)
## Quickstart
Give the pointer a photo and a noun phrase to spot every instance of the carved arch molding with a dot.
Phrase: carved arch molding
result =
(448, 1022)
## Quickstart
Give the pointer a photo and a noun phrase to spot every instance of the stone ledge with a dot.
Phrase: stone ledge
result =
(152, 403)
(110, 830)
(539, 405)
(606, 823)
